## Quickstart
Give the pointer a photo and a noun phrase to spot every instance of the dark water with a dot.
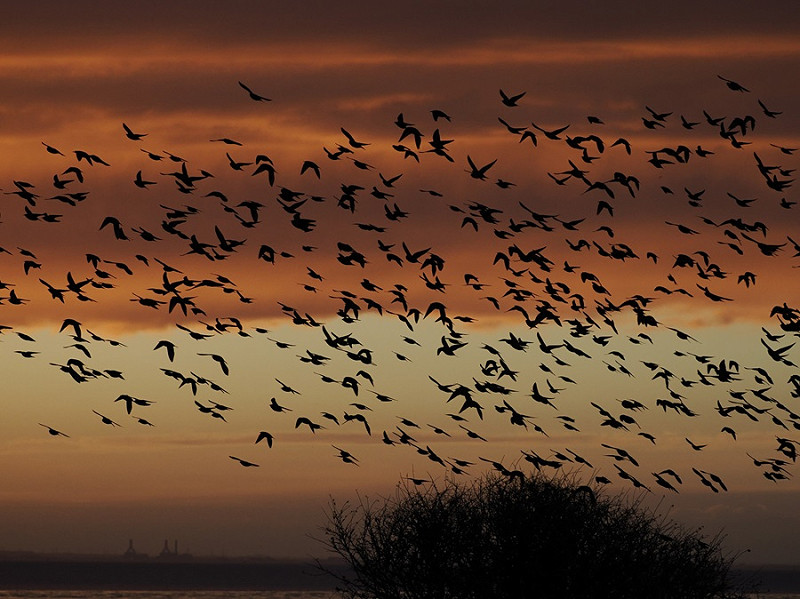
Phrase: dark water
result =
(210, 595)
(165, 594)
(168, 580)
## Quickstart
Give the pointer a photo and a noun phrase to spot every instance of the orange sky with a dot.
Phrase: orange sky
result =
(70, 80)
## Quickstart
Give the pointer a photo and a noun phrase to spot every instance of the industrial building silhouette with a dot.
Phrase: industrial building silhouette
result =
(165, 554)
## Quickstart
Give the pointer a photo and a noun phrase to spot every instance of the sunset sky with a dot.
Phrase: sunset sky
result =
(265, 266)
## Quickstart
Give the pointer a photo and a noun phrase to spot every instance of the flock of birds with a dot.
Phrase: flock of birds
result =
(564, 317)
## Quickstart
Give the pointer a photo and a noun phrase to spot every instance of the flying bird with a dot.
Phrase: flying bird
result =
(733, 85)
(264, 435)
(253, 96)
(131, 135)
(244, 463)
(54, 432)
(511, 100)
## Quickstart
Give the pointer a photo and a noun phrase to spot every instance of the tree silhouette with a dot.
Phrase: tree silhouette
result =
(502, 536)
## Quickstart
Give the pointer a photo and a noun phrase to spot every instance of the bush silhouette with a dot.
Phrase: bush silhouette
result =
(501, 537)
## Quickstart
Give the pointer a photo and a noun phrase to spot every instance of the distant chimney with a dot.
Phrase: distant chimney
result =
(176, 547)
(130, 551)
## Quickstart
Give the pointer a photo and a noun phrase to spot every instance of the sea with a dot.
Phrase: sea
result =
(221, 595)
(96, 594)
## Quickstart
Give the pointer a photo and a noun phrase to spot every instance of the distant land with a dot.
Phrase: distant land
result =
(25, 570)
(69, 571)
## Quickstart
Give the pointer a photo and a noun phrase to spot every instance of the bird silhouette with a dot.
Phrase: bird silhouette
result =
(54, 432)
(253, 96)
(107, 420)
(511, 100)
(732, 85)
(131, 135)
(219, 360)
(479, 173)
(276, 407)
(264, 435)
(346, 456)
(244, 463)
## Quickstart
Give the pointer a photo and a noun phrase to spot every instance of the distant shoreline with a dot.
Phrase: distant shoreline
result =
(205, 573)
(75, 572)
